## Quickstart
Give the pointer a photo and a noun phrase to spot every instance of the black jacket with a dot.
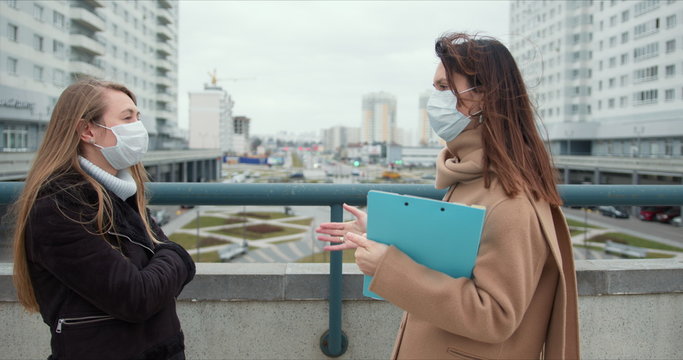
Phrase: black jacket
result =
(110, 297)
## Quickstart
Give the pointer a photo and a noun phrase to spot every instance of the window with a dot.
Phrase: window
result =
(645, 52)
(12, 3)
(612, 61)
(624, 16)
(669, 94)
(38, 43)
(624, 58)
(645, 97)
(610, 103)
(12, 32)
(612, 82)
(58, 77)
(624, 37)
(623, 101)
(645, 6)
(38, 12)
(645, 74)
(15, 138)
(613, 20)
(613, 41)
(58, 48)
(623, 80)
(114, 51)
(670, 21)
(671, 46)
(670, 70)
(647, 28)
(12, 66)
(38, 73)
(58, 20)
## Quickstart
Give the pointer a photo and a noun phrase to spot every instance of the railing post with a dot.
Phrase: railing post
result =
(334, 342)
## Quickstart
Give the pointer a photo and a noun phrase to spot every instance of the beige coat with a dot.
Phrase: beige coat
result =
(522, 296)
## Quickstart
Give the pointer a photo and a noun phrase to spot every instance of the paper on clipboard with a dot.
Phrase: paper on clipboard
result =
(440, 235)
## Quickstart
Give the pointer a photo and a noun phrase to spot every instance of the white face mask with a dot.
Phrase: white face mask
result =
(131, 144)
(444, 118)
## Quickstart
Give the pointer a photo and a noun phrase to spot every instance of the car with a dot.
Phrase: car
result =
(677, 222)
(355, 172)
(391, 175)
(649, 213)
(296, 175)
(614, 212)
(667, 216)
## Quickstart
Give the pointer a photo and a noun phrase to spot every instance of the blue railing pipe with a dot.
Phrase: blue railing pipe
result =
(333, 342)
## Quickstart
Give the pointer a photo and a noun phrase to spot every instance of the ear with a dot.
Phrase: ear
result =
(85, 131)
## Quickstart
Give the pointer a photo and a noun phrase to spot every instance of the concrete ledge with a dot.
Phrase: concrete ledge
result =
(274, 282)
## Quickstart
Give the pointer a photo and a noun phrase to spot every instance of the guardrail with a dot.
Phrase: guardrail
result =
(334, 342)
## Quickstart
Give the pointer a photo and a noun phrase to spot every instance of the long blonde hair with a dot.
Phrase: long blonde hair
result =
(81, 102)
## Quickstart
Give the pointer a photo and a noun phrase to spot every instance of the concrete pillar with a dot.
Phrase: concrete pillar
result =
(184, 172)
(566, 174)
(172, 169)
(158, 173)
(596, 176)
(635, 180)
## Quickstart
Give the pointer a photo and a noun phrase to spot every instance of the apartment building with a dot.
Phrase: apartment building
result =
(606, 75)
(379, 118)
(212, 124)
(338, 137)
(427, 136)
(46, 45)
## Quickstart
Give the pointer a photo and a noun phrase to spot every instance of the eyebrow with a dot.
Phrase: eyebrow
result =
(131, 111)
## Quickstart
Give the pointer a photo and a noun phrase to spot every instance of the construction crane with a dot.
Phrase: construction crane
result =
(215, 79)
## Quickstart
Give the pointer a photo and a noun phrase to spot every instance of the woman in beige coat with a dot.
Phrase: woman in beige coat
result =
(521, 302)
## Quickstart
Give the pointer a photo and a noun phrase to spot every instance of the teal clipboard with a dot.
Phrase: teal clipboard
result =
(440, 235)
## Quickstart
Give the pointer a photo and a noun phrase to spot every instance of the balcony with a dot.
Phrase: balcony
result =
(164, 65)
(164, 33)
(165, 81)
(164, 49)
(164, 16)
(82, 68)
(167, 115)
(165, 4)
(167, 98)
(83, 43)
(95, 3)
(87, 19)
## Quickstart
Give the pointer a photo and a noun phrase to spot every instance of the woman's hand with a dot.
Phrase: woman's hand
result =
(333, 232)
(368, 253)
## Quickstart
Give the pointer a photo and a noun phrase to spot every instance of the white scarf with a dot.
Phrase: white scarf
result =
(123, 184)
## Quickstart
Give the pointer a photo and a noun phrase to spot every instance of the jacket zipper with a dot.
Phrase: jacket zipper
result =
(81, 320)
(131, 240)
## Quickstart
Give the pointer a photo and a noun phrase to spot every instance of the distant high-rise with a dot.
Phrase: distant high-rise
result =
(241, 134)
(45, 45)
(211, 122)
(379, 118)
(427, 136)
(338, 137)
(606, 75)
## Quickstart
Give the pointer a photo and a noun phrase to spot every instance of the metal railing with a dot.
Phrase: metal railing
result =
(334, 342)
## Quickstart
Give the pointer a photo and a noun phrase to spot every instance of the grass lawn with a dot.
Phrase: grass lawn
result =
(283, 241)
(634, 241)
(206, 221)
(244, 233)
(301, 221)
(189, 241)
(324, 257)
(657, 255)
(574, 223)
(573, 233)
(206, 257)
(264, 215)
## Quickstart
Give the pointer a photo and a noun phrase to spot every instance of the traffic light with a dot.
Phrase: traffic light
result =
(356, 163)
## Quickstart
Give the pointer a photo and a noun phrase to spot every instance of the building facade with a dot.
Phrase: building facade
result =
(338, 137)
(427, 136)
(241, 135)
(211, 121)
(46, 45)
(606, 75)
(379, 118)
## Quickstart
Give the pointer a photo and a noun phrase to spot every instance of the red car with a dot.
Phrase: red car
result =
(667, 216)
(649, 213)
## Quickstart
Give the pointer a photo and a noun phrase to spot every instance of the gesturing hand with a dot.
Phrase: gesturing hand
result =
(333, 232)
(368, 253)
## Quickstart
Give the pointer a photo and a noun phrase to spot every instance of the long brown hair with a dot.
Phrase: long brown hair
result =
(57, 156)
(513, 148)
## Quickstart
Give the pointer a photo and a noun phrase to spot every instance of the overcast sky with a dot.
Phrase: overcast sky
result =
(304, 66)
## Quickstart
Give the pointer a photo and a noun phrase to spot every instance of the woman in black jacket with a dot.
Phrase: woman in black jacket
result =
(87, 255)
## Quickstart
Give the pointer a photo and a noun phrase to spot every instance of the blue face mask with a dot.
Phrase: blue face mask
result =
(446, 121)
